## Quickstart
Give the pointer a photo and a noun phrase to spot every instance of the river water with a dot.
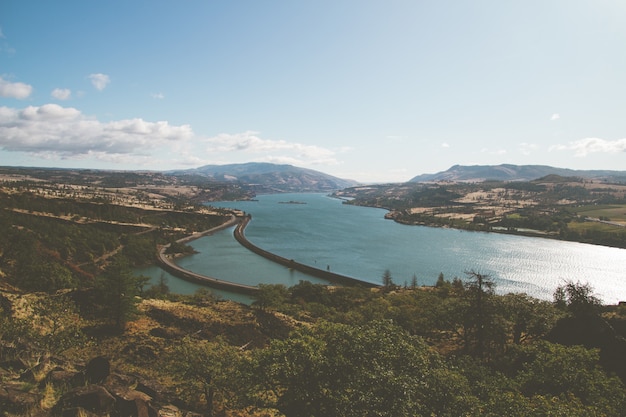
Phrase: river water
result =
(358, 242)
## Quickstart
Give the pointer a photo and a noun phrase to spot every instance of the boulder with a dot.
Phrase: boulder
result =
(97, 370)
(169, 411)
(77, 412)
(14, 400)
(5, 305)
(129, 402)
(93, 398)
(132, 403)
(59, 377)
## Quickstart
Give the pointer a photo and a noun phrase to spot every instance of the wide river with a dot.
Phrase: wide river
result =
(358, 242)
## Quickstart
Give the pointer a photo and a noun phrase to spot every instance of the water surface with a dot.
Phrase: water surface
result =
(359, 242)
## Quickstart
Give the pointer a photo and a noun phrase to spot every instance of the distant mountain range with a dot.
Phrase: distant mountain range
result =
(507, 172)
(267, 177)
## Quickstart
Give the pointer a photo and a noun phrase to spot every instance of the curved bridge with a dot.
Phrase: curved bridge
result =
(290, 263)
(167, 262)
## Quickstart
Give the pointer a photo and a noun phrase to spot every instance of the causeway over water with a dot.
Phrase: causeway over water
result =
(167, 262)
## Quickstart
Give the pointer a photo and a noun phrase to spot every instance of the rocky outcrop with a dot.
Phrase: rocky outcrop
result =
(94, 391)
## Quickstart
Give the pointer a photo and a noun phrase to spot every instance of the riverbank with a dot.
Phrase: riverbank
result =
(559, 208)
(167, 263)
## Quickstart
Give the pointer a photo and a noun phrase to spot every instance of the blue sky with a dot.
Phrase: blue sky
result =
(368, 90)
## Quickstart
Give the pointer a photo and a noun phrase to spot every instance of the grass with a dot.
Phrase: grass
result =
(49, 398)
(596, 227)
(614, 212)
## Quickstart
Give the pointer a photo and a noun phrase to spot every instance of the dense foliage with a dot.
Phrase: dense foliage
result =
(363, 352)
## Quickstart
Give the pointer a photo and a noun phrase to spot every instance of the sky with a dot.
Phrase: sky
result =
(374, 91)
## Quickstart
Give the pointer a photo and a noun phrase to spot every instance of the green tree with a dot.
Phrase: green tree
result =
(210, 371)
(414, 281)
(577, 299)
(483, 327)
(528, 318)
(556, 371)
(119, 288)
(375, 369)
(271, 296)
(387, 280)
(160, 290)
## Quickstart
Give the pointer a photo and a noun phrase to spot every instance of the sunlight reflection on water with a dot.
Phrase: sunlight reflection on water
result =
(359, 242)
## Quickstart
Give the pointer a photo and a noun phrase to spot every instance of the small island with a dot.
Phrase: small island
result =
(291, 202)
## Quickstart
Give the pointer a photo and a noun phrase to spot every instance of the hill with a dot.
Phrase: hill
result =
(508, 172)
(267, 177)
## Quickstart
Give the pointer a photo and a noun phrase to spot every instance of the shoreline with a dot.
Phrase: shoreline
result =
(290, 263)
(167, 262)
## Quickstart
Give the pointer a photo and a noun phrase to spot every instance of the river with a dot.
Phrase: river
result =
(358, 242)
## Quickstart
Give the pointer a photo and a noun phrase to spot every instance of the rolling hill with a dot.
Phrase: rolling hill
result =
(508, 172)
(267, 177)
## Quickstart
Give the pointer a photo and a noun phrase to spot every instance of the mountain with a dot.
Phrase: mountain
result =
(267, 177)
(507, 172)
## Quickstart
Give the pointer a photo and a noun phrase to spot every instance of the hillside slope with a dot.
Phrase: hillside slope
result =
(270, 177)
(508, 172)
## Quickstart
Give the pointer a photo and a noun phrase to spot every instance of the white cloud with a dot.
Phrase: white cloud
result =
(55, 132)
(52, 131)
(61, 93)
(445, 145)
(584, 147)
(14, 90)
(493, 151)
(158, 96)
(555, 116)
(99, 80)
(250, 142)
(527, 148)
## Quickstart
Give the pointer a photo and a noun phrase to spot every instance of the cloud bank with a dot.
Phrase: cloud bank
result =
(19, 91)
(278, 151)
(586, 146)
(53, 131)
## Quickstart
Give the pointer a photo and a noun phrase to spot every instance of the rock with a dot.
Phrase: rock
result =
(169, 411)
(97, 370)
(6, 306)
(167, 333)
(15, 400)
(78, 412)
(94, 398)
(129, 402)
(59, 377)
(15, 365)
(141, 352)
(132, 403)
